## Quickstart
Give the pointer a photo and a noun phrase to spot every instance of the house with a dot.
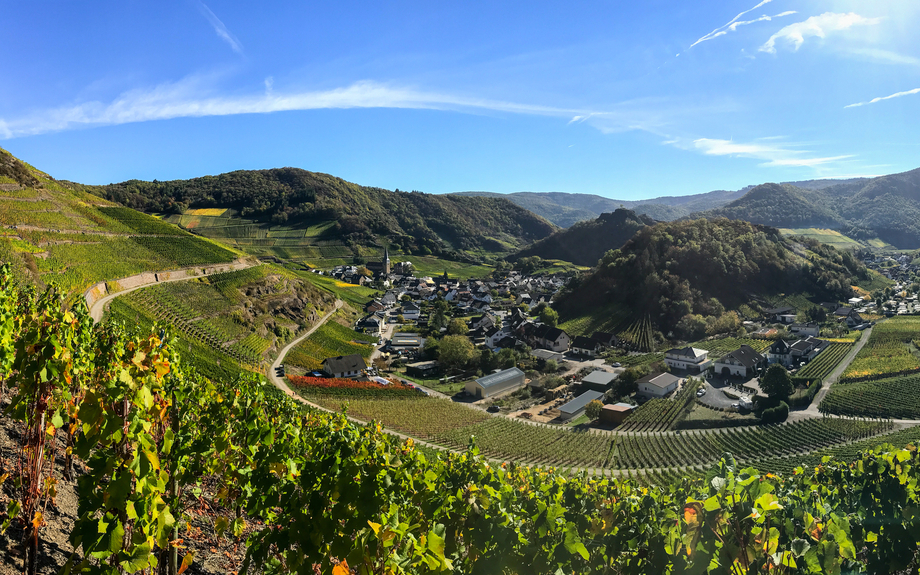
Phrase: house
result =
(782, 314)
(688, 359)
(658, 384)
(605, 338)
(551, 338)
(577, 406)
(496, 383)
(344, 366)
(410, 310)
(585, 346)
(806, 349)
(780, 352)
(372, 324)
(805, 329)
(599, 380)
(615, 413)
(742, 362)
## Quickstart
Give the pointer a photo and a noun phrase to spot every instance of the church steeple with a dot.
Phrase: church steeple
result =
(386, 260)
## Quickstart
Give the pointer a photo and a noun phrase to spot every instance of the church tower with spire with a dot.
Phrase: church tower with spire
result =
(385, 264)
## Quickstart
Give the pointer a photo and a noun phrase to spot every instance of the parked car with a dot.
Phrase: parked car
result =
(701, 392)
(616, 364)
(493, 409)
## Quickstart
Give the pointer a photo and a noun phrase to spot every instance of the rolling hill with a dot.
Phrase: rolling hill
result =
(341, 213)
(680, 273)
(585, 242)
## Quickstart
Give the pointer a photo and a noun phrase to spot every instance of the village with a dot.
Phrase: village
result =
(547, 375)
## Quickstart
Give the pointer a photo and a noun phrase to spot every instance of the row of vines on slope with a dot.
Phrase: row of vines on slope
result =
(332, 494)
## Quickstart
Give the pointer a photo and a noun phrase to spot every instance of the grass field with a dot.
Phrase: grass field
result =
(835, 238)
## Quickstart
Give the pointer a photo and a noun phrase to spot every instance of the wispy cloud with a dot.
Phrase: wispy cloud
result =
(772, 154)
(220, 28)
(195, 97)
(879, 99)
(817, 26)
(735, 22)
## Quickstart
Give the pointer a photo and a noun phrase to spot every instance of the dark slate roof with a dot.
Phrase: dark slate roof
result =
(843, 311)
(780, 310)
(604, 337)
(779, 347)
(580, 402)
(746, 355)
(584, 342)
(344, 363)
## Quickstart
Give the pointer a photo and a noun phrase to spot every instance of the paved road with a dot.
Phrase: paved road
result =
(98, 308)
(812, 409)
(272, 371)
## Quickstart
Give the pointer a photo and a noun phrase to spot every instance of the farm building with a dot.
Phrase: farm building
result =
(495, 383)
(615, 413)
(577, 406)
(344, 366)
(406, 342)
(688, 358)
(599, 380)
(422, 369)
(657, 384)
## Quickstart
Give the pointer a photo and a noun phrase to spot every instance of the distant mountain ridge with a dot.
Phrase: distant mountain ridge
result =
(886, 207)
(566, 208)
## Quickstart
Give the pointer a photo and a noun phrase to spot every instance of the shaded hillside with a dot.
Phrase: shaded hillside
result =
(414, 222)
(585, 242)
(887, 207)
(782, 206)
(672, 271)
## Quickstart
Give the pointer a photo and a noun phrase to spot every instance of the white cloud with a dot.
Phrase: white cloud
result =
(735, 22)
(220, 28)
(195, 96)
(192, 97)
(817, 26)
(772, 155)
(881, 98)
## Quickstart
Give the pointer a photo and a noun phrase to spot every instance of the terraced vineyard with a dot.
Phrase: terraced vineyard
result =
(661, 414)
(719, 347)
(886, 353)
(895, 397)
(848, 452)
(452, 425)
(825, 362)
(163, 306)
(142, 223)
(639, 335)
(186, 251)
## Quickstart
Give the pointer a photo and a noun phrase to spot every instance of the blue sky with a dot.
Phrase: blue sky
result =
(624, 100)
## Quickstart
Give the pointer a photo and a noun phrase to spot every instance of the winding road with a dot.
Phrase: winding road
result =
(97, 310)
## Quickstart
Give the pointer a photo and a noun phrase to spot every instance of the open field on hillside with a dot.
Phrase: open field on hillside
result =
(825, 236)
(887, 351)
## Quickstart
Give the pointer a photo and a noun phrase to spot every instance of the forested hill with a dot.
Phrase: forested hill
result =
(886, 207)
(681, 273)
(782, 206)
(585, 242)
(289, 196)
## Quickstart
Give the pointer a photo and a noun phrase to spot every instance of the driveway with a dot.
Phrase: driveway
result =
(715, 396)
